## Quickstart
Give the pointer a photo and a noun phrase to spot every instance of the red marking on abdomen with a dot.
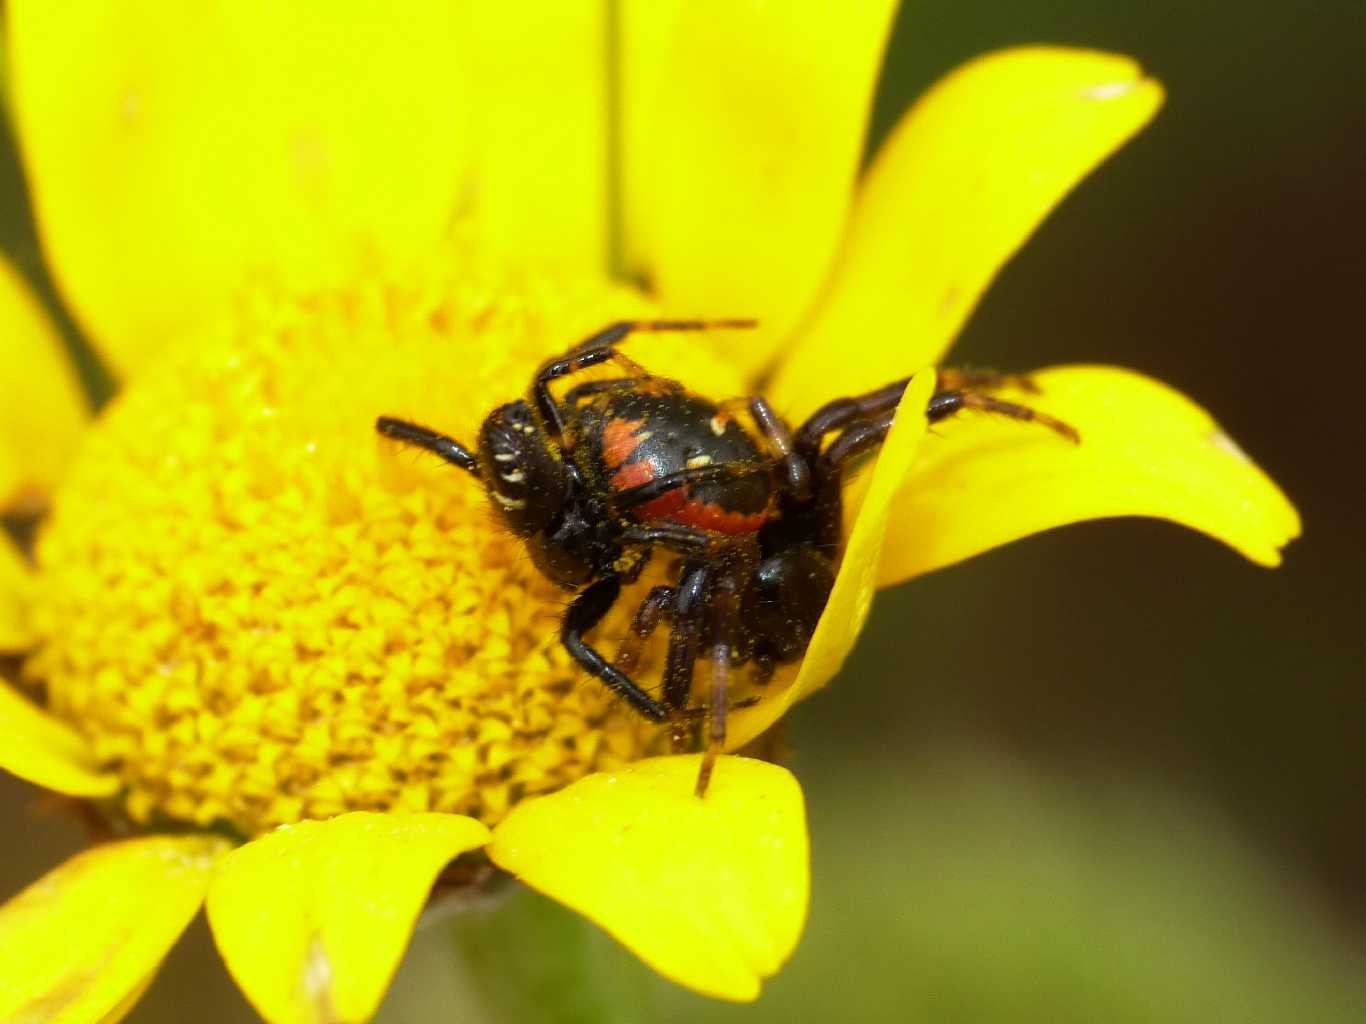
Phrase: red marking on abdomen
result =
(678, 507)
(632, 474)
(620, 439)
(619, 442)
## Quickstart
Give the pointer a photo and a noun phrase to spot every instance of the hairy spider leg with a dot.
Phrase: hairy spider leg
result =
(684, 641)
(685, 540)
(782, 446)
(692, 714)
(643, 494)
(862, 423)
(600, 348)
(839, 413)
(684, 606)
(592, 388)
(857, 438)
(657, 604)
(585, 612)
(724, 607)
(430, 440)
(945, 403)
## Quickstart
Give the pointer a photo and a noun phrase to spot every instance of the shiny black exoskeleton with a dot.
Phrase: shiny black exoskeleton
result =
(596, 480)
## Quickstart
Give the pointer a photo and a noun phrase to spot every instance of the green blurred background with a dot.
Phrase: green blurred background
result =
(1111, 773)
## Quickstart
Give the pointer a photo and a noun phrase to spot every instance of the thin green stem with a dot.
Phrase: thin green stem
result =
(533, 960)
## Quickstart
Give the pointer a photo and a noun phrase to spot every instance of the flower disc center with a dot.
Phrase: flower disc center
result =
(258, 611)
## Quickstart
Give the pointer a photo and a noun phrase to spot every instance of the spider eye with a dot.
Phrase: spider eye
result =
(526, 481)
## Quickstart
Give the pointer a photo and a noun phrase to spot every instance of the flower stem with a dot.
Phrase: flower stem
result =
(534, 960)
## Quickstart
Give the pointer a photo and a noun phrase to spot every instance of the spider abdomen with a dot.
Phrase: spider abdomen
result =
(640, 437)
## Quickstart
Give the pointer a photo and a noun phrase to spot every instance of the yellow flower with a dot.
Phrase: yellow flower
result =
(247, 613)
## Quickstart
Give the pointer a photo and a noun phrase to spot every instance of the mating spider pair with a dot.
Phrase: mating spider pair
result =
(593, 482)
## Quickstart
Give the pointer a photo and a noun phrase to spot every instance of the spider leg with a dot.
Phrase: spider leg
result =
(647, 492)
(656, 604)
(828, 476)
(546, 406)
(689, 714)
(945, 403)
(430, 440)
(579, 392)
(600, 348)
(689, 607)
(723, 604)
(841, 412)
(782, 446)
(862, 431)
(584, 613)
(684, 540)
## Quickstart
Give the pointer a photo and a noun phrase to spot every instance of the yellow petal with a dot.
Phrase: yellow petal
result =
(48, 752)
(710, 892)
(852, 596)
(175, 149)
(16, 583)
(125, 1006)
(313, 918)
(645, 35)
(956, 189)
(743, 167)
(540, 175)
(1145, 450)
(81, 943)
(42, 410)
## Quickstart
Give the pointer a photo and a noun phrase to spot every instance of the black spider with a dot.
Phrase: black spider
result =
(593, 482)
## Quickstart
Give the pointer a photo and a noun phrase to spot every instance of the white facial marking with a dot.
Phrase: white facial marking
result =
(512, 504)
(697, 461)
(718, 425)
(505, 456)
(515, 477)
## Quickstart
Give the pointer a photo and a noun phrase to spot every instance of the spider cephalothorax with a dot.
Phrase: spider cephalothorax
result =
(598, 479)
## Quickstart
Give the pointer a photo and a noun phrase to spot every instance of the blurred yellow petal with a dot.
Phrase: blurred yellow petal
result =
(47, 752)
(16, 583)
(852, 596)
(42, 410)
(1145, 450)
(539, 180)
(173, 150)
(744, 167)
(956, 189)
(125, 1007)
(81, 943)
(710, 892)
(313, 918)
(645, 35)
